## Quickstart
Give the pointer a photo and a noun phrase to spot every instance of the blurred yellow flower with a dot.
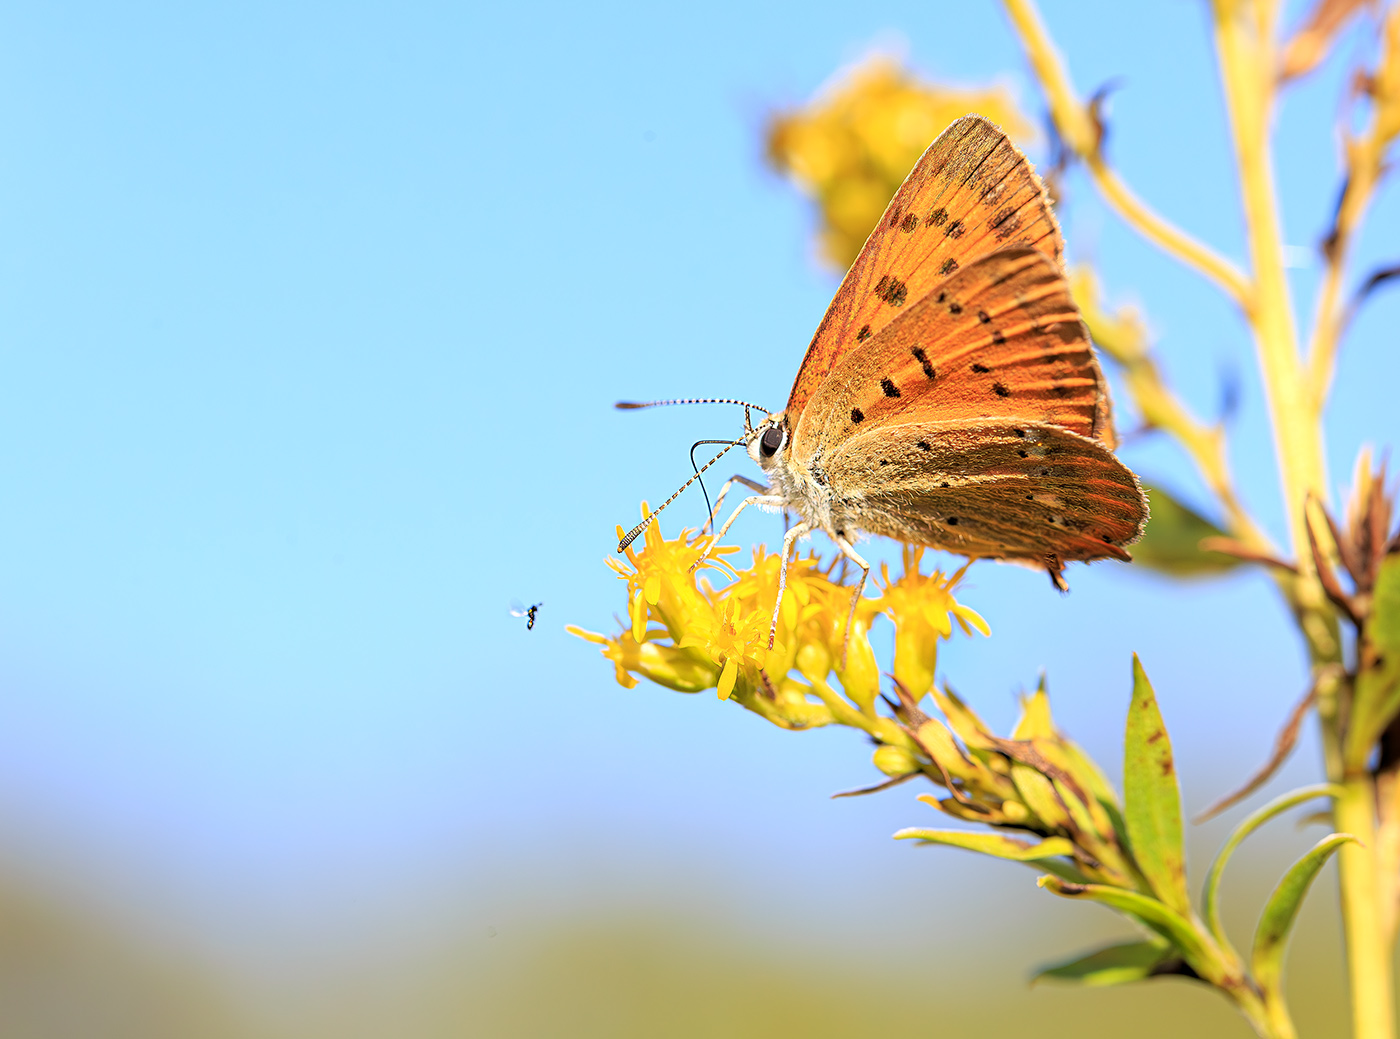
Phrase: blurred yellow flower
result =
(852, 146)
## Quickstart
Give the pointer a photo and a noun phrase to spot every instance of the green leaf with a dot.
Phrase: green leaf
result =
(991, 843)
(1151, 800)
(1195, 948)
(1378, 682)
(1171, 542)
(1271, 937)
(1112, 965)
(1210, 901)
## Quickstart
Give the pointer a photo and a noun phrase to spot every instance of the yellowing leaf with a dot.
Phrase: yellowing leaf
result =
(991, 844)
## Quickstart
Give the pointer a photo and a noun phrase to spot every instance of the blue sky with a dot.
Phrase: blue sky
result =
(311, 320)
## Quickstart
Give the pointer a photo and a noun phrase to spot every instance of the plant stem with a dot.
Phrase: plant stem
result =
(1244, 34)
(1081, 133)
(1368, 950)
(1268, 1017)
(1365, 165)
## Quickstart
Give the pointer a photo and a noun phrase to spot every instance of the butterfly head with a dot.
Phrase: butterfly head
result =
(768, 440)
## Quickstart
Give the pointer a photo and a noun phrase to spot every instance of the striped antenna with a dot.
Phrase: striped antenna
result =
(635, 531)
(632, 405)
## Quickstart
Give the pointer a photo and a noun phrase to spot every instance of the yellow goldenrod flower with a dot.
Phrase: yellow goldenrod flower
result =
(923, 609)
(688, 635)
(735, 641)
(659, 582)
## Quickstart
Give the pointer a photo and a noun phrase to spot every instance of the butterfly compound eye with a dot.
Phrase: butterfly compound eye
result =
(770, 442)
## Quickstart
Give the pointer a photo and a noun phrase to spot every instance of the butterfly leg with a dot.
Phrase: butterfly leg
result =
(788, 539)
(755, 499)
(850, 553)
(752, 485)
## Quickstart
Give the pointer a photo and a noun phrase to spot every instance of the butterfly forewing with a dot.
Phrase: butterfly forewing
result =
(997, 490)
(1001, 337)
(970, 194)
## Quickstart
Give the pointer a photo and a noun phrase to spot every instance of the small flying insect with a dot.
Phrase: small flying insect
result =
(528, 612)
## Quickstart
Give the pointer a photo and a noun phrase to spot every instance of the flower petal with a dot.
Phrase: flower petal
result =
(727, 678)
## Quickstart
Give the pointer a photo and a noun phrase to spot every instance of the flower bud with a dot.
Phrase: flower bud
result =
(894, 761)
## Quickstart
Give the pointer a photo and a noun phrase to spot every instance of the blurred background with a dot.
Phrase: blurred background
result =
(312, 316)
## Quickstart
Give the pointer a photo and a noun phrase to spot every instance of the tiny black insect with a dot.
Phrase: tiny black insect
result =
(528, 612)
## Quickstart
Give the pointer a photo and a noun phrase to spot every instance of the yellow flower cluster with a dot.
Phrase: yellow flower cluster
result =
(852, 146)
(686, 634)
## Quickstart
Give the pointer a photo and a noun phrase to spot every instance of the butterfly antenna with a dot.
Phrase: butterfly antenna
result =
(633, 405)
(709, 511)
(631, 535)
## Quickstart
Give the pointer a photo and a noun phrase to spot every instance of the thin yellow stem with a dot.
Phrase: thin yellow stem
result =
(1245, 46)
(1365, 162)
(1245, 35)
(1368, 950)
(1247, 67)
(1080, 132)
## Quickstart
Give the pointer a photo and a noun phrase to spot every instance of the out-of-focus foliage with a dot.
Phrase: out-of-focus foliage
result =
(1313, 39)
(629, 978)
(854, 144)
(66, 975)
(1172, 541)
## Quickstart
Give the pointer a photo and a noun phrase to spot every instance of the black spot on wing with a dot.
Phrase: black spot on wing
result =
(936, 218)
(949, 266)
(857, 415)
(890, 389)
(923, 360)
(980, 369)
(863, 334)
(892, 290)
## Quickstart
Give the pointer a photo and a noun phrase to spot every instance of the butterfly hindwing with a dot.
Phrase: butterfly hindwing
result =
(971, 193)
(996, 490)
(1001, 337)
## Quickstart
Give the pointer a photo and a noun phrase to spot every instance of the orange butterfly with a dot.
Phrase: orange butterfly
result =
(951, 396)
